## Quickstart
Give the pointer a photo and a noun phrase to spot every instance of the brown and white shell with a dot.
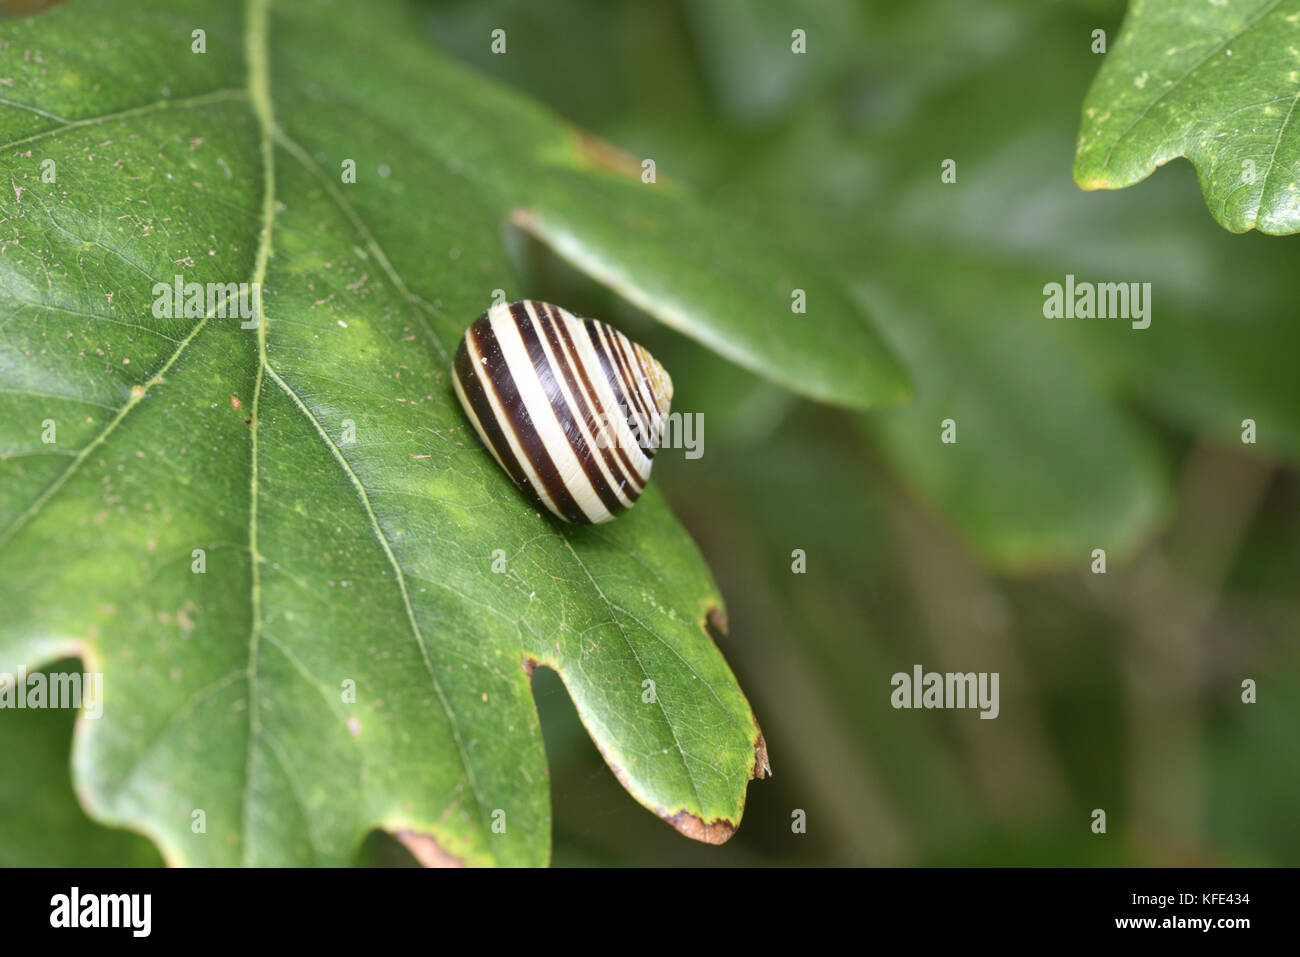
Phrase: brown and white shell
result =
(570, 408)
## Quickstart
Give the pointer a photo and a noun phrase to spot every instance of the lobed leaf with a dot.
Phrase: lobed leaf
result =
(1215, 82)
(278, 544)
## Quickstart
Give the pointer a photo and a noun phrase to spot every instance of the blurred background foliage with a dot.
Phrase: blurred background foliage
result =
(1119, 692)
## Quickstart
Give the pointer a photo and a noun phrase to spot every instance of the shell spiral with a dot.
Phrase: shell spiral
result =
(571, 408)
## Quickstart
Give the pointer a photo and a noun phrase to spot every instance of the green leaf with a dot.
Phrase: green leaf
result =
(632, 238)
(134, 448)
(1217, 83)
(1043, 466)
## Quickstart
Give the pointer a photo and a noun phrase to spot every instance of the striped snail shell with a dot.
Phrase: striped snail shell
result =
(569, 407)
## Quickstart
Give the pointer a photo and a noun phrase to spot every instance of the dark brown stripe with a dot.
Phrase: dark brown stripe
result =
(496, 376)
(469, 381)
(596, 333)
(591, 409)
(560, 406)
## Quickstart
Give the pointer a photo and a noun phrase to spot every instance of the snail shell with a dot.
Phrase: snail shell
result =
(570, 408)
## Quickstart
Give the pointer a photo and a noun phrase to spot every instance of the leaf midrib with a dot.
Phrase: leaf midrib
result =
(259, 91)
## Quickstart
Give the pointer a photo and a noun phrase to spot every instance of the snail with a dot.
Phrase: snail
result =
(569, 407)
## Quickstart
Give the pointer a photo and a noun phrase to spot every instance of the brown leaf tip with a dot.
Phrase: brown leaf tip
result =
(426, 850)
(530, 665)
(715, 623)
(762, 767)
(693, 826)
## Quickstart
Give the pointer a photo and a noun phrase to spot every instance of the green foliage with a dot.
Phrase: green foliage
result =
(1217, 83)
